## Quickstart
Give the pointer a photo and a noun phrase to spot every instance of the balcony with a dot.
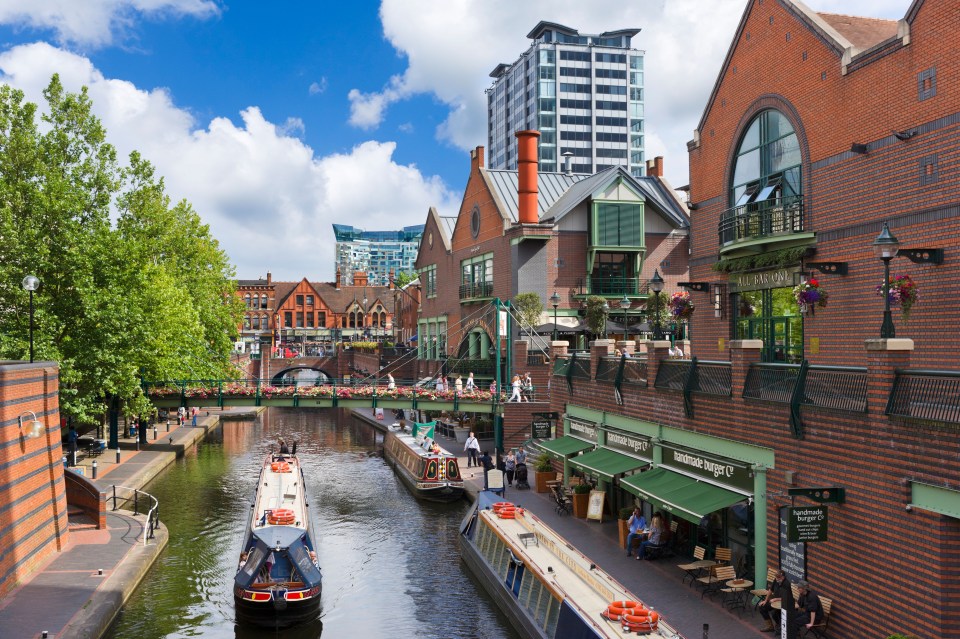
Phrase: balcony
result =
(616, 286)
(476, 290)
(758, 226)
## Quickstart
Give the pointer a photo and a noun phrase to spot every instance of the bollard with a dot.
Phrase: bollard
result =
(706, 631)
(118, 453)
(168, 425)
(94, 464)
(154, 433)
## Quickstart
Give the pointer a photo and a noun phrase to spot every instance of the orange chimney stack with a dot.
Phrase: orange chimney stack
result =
(527, 176)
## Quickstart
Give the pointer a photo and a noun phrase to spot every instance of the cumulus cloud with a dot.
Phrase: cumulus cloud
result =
(451, 51)
(96, 23)
(265, 194)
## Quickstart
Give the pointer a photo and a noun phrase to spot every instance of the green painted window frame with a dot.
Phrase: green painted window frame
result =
(429, 277)
(608, 228)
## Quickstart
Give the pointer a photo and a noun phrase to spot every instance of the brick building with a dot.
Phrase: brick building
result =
(819, 129)
(527, 231)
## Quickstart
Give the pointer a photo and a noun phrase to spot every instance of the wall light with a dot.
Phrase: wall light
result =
(34, 427)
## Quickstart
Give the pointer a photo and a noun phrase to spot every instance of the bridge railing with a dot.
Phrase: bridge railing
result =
(350, 392)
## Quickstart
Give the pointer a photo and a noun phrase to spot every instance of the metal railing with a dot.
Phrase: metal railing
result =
(608, 369)
(537, 359)
(930, 395)
(476, 289)
(672, 374)
(561, 366)
(139, 498)
(771, 382)
(713, 378)
(635, 371)
(619, 286)
(762, 219)
(580, 365)
(836, 387)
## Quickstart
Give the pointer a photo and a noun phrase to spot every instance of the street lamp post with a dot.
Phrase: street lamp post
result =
(555, 302)
(885, 247)
(30, 283)
(625, 304)
(606, 312)
(656, 283)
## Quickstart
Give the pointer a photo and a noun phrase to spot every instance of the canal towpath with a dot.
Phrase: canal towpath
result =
(79, 591)
(658, 583)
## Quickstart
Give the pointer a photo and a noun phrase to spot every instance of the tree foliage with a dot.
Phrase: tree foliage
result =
(148, 294)
(528, 307)
(596, 315)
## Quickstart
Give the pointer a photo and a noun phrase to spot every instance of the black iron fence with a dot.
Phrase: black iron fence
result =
(926, 394)
(635, 371)
(672, 374)
(771, 382)
(137, 501)
(761, 219)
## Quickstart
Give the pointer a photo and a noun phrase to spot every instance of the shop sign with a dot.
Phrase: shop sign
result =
(807, 523)
(541, 429)
(637, 445)
(777, 278)
(583, 430)
(714, 469)
(793, 555)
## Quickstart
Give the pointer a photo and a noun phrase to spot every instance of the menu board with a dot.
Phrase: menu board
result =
(793, 556)
(595, 506)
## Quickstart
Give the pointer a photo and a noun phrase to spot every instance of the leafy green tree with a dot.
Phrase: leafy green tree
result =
(403, 278)
(596, 315)
(528, 307)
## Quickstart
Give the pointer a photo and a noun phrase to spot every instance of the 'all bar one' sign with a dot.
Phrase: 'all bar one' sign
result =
(807, 523)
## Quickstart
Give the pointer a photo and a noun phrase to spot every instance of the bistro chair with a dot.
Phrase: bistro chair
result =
(695, 568)
(724, 556)
(761, 593)
(717, 579)
(820, 630)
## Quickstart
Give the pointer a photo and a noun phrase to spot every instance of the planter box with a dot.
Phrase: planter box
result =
(461, 435)
(542, 478)
(355, 403)
(581, 501)
(316, 402)
(623, 528)
(239, 401)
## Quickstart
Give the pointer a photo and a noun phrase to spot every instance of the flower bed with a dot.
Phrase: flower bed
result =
(164, 391)
(239, 390)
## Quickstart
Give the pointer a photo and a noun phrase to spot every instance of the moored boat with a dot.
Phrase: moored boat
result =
(429, 471)
(547, 588)
(278, 580)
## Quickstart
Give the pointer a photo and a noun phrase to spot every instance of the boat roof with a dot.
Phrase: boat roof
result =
(420, 445)
(568, 573)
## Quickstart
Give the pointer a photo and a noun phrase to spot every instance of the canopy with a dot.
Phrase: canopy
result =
(606, 463)
(562, 447)
(549, 327)
(684, 496)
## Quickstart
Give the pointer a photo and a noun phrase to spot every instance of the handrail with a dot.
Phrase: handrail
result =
(782, 216)
(925, 394)
(153, 515)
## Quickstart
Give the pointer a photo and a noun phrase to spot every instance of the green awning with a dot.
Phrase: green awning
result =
(562, 447)
(606, 463)
(681, 495)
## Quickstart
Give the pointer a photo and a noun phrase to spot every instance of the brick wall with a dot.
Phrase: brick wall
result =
(33, 503)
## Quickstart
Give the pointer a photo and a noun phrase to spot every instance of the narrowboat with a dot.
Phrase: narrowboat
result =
(430, 472)
(278, 578)
(546, 587)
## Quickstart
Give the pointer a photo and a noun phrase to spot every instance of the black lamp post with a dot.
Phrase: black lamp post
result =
(656, 283)
(606, 312)
(555, 302)
(625, 303)
(31, 283)
(885, 247)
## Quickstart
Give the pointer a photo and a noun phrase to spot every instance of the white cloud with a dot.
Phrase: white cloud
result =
(318, 87)
(266, 196)
(452, 49)
(96, 23)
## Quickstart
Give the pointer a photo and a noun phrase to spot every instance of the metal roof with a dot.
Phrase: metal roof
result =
(551, 187)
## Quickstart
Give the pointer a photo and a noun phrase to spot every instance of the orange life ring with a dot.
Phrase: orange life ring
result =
(280, 467)
(619, 608)
(507, 513)
(281, 517)
(500, 505)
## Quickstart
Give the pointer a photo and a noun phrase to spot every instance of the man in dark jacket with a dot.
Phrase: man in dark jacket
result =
(809, 608)
(778, 590)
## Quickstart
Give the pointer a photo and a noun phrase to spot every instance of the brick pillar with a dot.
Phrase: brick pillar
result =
(640, 348)
(520, 357)
(627, 347)
(599, 348)
(884, 356)
(558, 349)
(743, 353)
(684, 345)
(656, 350)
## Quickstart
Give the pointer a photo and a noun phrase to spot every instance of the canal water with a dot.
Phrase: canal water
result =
(391, 564)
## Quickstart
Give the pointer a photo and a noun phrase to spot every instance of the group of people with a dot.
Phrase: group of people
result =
(522, 388)
(807, 610)
(648, 536)
(511, 462)
(443, 384)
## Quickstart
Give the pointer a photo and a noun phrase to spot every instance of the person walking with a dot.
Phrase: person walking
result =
(472, 446)
(458, 385)
(195, 411)
(527, 387)
(510, 466)
(391, 384)
(517, 385)
(470, 384)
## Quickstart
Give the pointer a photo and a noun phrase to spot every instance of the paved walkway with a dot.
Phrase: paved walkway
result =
(657, 583)
(69, 597)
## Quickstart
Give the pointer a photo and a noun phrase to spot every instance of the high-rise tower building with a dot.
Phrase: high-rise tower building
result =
(375, 253)
(583, 92)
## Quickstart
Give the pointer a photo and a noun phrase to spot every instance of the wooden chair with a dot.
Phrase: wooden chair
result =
(761, 593)
(723, 556)
(695, 568)
(820, 630)
(664, 548)
(717, 579)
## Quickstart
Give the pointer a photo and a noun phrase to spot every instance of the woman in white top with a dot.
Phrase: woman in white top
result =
(517, 385)
(390, 383)
(458, 384)
(470, 385)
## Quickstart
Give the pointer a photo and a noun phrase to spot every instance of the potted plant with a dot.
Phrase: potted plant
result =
(680, 305)
(543, 472)
(581, 500)
(622, 527)
(903, 293)
(809, 295)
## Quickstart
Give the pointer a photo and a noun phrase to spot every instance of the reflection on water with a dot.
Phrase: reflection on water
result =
(390, 563)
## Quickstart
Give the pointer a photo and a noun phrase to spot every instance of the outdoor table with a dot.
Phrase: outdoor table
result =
(739, 588)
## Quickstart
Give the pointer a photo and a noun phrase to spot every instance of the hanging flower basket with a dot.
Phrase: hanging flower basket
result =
(680, 305)
(903, 293)
(809, 294)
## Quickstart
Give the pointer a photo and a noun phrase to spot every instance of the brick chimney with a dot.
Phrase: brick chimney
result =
(390, 279)
(269, 277)
(337, 284)
(476, 159)
(655, 167)
(527, 176)
(359, 278)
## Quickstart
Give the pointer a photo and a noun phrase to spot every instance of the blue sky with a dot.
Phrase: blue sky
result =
(278, 119)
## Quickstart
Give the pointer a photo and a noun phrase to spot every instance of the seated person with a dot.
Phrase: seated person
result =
(637, 524)
(809, 610)
(656, 533)
(780, 591)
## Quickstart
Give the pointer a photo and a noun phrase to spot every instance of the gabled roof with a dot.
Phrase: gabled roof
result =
(503, 184)
(652, 189)
(338, 300)
(444, 228)
(863, 33)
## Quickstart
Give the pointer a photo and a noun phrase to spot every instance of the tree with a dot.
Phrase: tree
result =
(596, 315)
(529, 308)
(403, 278)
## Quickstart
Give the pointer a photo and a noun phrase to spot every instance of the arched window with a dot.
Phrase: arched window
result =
(255, 323)
(246, 300)
(246, 322)
(767, 165)
(263, 301)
